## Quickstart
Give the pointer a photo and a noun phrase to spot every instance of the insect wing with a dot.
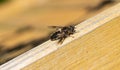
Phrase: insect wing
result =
(56, 27)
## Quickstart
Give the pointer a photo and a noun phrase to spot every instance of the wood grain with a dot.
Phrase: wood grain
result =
(98, 50)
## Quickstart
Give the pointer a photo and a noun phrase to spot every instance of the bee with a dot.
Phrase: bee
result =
(62, 33)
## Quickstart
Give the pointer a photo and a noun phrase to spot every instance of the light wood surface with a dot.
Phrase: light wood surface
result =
(98, 50)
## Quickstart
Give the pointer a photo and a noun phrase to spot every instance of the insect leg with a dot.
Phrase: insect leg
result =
(61, 40)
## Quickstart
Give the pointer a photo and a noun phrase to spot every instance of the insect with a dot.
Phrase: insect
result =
(62, 33)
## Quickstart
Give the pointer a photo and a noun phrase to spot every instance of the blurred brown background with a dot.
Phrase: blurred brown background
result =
(24, 24)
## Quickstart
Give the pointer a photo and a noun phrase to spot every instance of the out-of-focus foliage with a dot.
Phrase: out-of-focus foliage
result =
(3, 1)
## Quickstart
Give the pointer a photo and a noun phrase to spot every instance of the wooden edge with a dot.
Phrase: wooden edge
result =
(51, 46)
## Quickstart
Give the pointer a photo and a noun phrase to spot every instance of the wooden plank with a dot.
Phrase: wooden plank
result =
(98, 50)
(50, 46)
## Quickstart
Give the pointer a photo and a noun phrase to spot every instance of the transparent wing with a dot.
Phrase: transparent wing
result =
(57, 27)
